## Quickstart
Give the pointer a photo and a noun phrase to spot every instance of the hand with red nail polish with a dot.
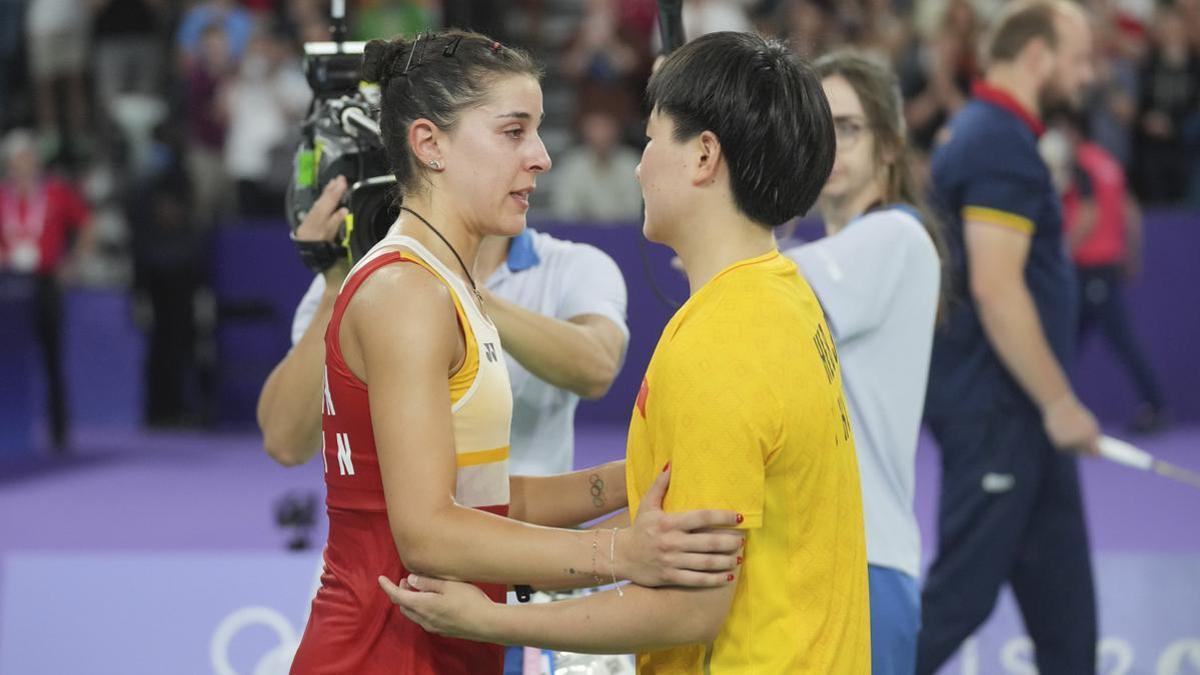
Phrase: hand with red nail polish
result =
(691, 548)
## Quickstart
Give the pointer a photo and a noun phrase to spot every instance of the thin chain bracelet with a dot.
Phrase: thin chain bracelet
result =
(612, 561)
(595, 551)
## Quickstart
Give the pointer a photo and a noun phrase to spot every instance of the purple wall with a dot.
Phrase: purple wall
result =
(258, 280)
(1165, 303)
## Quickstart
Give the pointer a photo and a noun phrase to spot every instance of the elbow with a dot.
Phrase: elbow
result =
(986, 291)
(416, 548)
(707, 633)
(288, 443)
(595, 389)
(283, 453)
(417, 559)
(702, 628)
(285, 447)
(711, 624)
(703, 614)
(412, 550)
(596, 383)
(700, 618)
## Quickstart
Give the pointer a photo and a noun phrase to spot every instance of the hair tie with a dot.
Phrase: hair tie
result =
(495, 47)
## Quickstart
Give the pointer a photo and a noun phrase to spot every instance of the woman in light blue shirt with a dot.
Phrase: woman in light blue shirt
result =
(878, 277)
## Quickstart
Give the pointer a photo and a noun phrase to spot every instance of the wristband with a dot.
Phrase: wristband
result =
(319, 256)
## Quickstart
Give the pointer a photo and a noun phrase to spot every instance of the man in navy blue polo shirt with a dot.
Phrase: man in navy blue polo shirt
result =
(998, 402)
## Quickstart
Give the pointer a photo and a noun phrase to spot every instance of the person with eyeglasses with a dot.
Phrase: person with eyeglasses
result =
(878, 276)
(417, 404)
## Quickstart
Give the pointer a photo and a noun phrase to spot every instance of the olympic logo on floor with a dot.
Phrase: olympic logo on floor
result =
(277, 661)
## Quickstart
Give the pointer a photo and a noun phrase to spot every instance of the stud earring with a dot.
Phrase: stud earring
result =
(434, 164)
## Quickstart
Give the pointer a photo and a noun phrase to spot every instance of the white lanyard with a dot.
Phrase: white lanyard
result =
(21, 235)
(31, 226)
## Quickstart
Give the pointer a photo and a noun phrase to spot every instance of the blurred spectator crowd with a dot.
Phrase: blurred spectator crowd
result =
(176, 117)
(203, 99)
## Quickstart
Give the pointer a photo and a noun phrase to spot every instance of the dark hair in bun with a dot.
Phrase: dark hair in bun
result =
(436, 77)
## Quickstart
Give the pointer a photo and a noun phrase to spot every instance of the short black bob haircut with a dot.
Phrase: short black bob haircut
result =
(766, 107)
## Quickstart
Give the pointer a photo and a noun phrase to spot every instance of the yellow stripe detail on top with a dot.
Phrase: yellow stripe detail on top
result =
(460, 381)
(983, 214)
(482, 457)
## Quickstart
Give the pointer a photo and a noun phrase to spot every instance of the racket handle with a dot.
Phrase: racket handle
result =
(1119, 451)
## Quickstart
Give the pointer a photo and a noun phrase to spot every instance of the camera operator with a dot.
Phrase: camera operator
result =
(289, 407)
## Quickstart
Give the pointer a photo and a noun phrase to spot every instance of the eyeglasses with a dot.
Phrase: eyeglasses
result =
(848, 131)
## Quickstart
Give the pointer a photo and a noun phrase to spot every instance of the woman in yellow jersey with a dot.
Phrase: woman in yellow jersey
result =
(416, 403)
(740, 139)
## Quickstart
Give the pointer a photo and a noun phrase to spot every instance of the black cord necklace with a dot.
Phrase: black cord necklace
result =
(457, 257)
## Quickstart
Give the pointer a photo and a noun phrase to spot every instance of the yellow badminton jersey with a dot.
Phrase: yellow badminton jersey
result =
(743, 397)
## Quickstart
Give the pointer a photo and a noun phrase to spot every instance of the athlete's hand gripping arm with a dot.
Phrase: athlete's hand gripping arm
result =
(642, 620)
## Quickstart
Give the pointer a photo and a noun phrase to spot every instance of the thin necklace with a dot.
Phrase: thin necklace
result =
(457, 257)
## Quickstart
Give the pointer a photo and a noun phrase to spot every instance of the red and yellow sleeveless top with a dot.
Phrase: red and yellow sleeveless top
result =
(354, 627)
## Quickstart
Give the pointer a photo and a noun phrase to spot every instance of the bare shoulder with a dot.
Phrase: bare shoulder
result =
(403, 289)
(401, 311)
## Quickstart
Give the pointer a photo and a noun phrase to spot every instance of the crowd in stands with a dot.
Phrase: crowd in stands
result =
(173, 118)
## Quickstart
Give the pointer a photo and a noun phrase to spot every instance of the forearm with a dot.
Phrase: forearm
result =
(289, 407)
(559, 352)
(617, 520)
(1012, 326)
(642, 620)
(466, 544)
(566, 500)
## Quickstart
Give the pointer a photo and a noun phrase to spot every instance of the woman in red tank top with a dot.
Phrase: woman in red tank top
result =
(416, 471)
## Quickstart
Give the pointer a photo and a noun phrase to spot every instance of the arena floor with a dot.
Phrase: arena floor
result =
(150, 529)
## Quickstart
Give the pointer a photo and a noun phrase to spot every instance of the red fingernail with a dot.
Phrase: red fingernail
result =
(740, 519)
(666, 466)
(729, 578)
(739, 560)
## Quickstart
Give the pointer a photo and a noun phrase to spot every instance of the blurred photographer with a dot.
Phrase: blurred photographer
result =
(289, 407)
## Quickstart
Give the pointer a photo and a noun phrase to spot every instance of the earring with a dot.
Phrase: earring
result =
(434, 164)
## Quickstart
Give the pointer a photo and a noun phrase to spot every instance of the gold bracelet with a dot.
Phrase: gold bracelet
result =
(612, 561)
(595, 550)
